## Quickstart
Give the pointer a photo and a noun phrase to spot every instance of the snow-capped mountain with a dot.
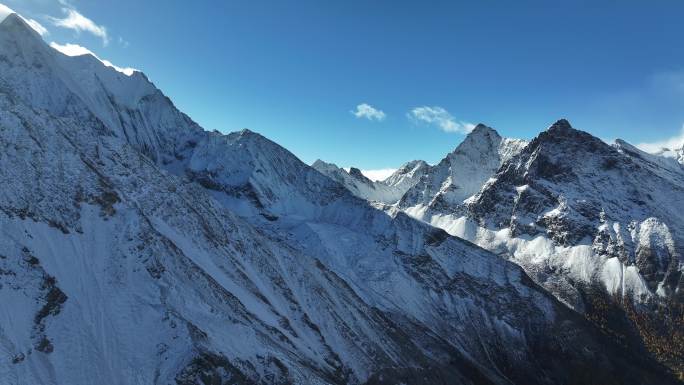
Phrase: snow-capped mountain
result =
(387, 191)
(575, 190)
(137, 248)
(407, 175)
(576, 214)
(460, 174)
(421, 189)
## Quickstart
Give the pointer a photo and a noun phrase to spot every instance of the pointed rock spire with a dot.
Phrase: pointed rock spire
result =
(561, 124)
(481, 129)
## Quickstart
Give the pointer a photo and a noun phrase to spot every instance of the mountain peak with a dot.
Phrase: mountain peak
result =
(318, 162)
(247, 134)
(16, 24)
(619, 143)
(482, 129)
(356, 173)
(479, 139)
(563, 137)
(408, 166)
(322, 165)
(561, 124)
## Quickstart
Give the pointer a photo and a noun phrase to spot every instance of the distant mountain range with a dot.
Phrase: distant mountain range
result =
(138, 248)
(588, 221)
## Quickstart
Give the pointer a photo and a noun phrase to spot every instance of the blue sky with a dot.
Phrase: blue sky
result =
(422, 71)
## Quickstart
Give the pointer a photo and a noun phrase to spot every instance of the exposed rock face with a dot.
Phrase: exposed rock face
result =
(171, 254)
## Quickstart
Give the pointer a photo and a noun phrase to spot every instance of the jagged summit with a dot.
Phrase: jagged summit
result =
(248, 132)
(257, 141)
(319, 163)
(480, 129)
(480, 126)
(387, 191)
(624, 146)
(479, 139)
(414, 168)
(563, 130)
(560, 124)
(410, 165)
(356, 173)
(562, 137)
(461, 173)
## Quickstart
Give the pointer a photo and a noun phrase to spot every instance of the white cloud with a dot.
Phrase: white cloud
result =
(378, 175)
(37, 27)
(441, 118)
(6, 11)
(77, 50)
(79, 23)
(367, 111)
(672, 143)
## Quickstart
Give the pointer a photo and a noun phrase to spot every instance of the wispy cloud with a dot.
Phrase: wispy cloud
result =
(77, 50)
(6, 11)
(441, 118)
(79, 23)
(367, 111)
(671, 143)
(378, 175)
(37, 27)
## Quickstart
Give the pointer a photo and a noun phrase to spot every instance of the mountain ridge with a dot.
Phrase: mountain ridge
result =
(137, 247)
(576, 213)
(387, 191)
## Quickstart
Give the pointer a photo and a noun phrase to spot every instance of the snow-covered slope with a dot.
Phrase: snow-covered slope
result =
(388, 191)
(136, 248)
(407, 175)
(670, 160)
